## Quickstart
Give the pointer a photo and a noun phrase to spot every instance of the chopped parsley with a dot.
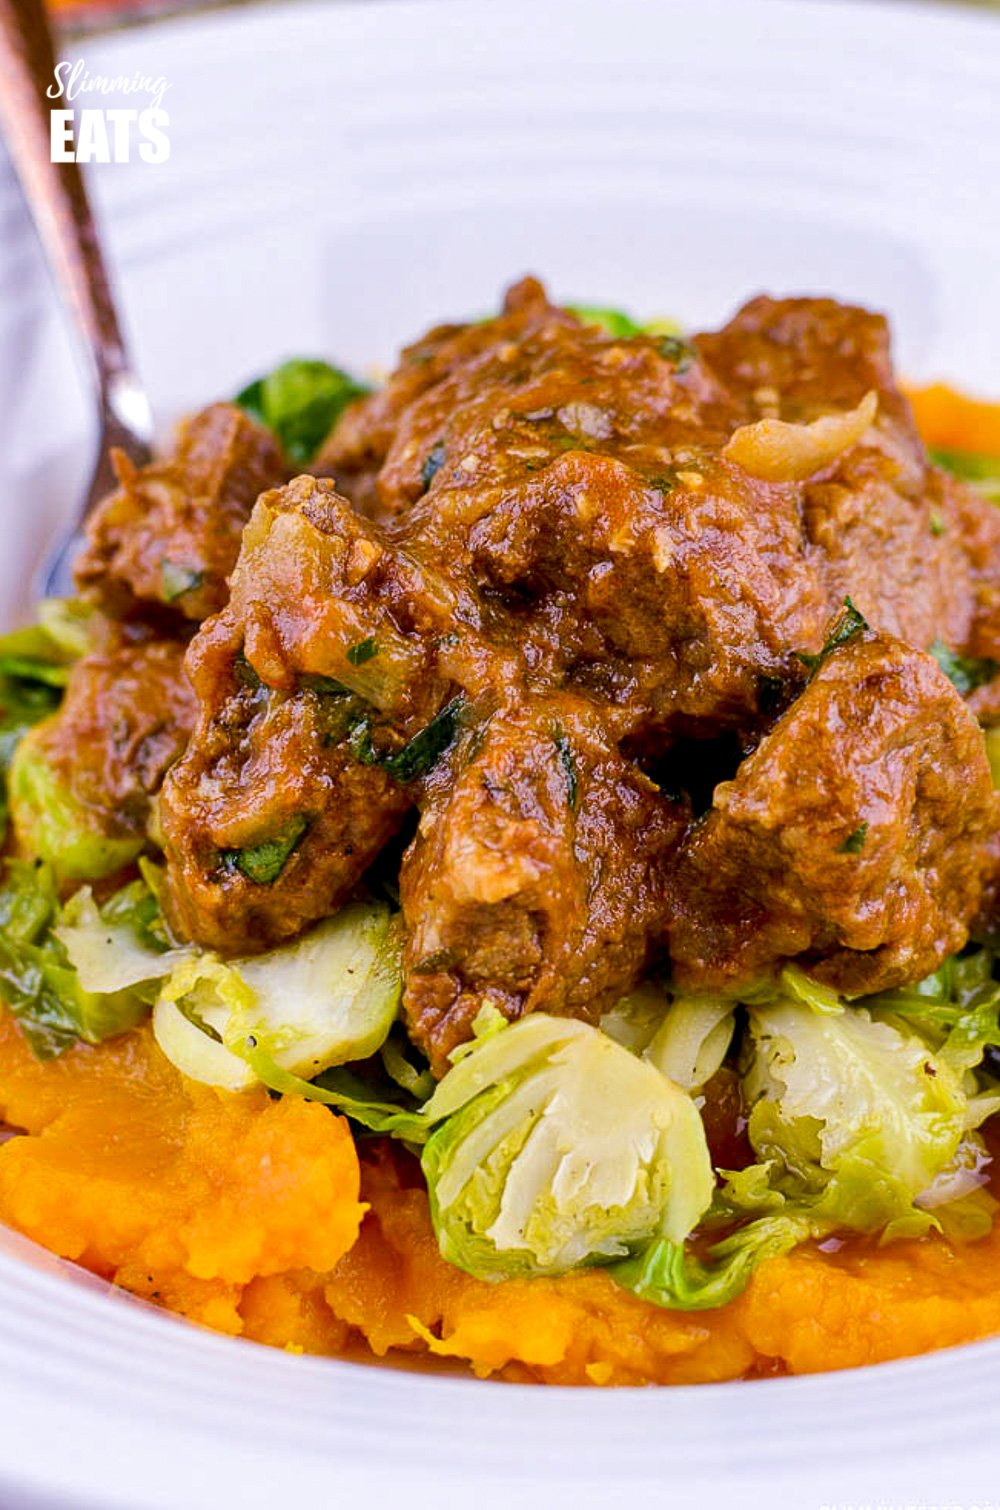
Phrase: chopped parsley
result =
(847, 628)
(614, 321)
(420, 754)
(263, 863)
(677, 351)
(362, 651)
(854, 843)
(568, 763)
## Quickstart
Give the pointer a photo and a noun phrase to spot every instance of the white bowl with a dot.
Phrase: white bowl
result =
(340, 176)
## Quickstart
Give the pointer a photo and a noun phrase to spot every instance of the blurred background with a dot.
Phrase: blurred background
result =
(79, 17)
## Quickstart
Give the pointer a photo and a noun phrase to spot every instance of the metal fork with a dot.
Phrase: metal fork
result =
(57, 198)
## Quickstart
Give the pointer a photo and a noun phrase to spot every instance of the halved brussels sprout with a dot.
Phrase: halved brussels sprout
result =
(328, 997)
(859, 1110)
(557, 1147)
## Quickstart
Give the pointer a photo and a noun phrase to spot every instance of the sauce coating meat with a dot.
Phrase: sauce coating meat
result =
(550, 577)
(854, 837)
(166, 540)
(124, 721)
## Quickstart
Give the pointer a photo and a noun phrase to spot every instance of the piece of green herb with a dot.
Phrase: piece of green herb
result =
(301, 401)
(425, 749)
(251, 400)
(419, 755)
(937, 524)
(362, 651)
(263, 863)
(854, 843)
(433, 462)
(850, 624)
(568, 763)
(176, 580)
(965, 672)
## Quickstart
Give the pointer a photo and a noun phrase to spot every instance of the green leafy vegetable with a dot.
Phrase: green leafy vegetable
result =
(330, 996)
(557, 1147)
(855, 842)
(983, 472)
(634, 1019)
(856, 1124)
(120, 946)
(568, 763)
(363, 651)
(965, 672)
(56, 1006)
(35, 664)
(614, 321)
(856, 1111)
(667, 1274)
(301, 402)
(263, 863)
(847, 628)
(377, 1116)
(417, 1083)
(420, 754)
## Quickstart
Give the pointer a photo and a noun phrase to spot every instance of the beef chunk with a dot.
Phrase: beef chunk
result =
(125, 719)
(855, 838)
(537, 874)
(168, 537)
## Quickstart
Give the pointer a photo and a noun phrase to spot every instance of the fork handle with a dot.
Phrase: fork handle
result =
(57, 196)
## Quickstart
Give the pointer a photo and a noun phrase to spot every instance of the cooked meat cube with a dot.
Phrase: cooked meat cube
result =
(168, 537)
(918, 552)
(269, 820)
(319, 591)
(854, 839)
(537, 874)
(125, 719)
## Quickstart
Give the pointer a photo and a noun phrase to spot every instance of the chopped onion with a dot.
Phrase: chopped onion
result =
(777, 451)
